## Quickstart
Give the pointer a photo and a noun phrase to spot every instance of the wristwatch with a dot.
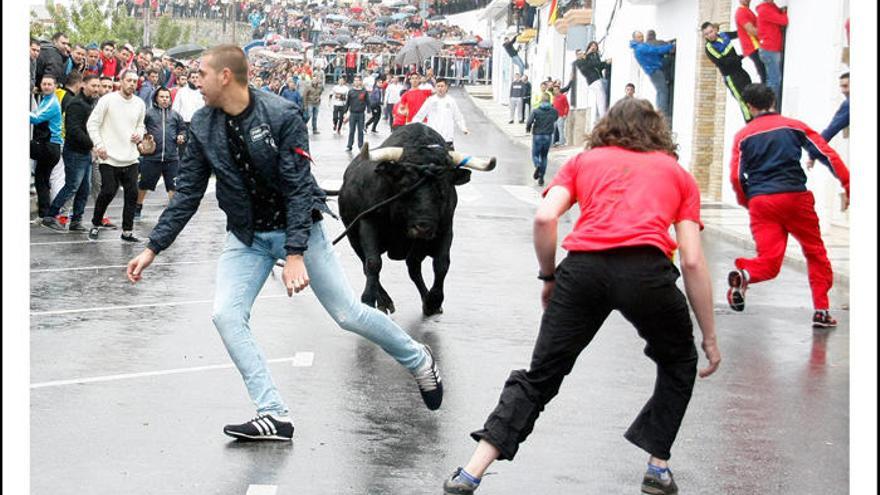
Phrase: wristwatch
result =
(546, 278)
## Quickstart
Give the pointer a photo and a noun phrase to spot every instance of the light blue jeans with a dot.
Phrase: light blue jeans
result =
(658, 79)
(241, 272)
(773, 65)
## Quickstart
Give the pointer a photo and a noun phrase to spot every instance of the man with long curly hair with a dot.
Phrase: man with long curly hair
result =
(630, 189)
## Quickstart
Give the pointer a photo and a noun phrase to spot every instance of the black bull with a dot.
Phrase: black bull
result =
(412, 161)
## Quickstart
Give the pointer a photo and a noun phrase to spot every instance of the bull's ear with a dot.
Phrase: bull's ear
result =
(461, 176)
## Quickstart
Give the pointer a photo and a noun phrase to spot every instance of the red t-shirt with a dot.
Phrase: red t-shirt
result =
(748, 43)
(399, 119)
(560, 103)
(771, 21)
(350, 60)
(627, 198)
(413, 100)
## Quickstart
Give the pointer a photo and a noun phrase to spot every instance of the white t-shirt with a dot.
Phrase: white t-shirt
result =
(111, 125)
(340, 95)
(392, 93)
(187, 101)
(443, 115)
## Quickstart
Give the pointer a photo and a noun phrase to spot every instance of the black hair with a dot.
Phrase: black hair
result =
(759, 96)
(108, 43)
(705, 25)
(630, 85)
(845, 75)
(57, 35)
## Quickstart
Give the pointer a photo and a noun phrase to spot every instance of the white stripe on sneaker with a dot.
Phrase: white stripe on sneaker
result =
(259, 426)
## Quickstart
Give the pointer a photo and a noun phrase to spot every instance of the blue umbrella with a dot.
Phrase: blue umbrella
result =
(253, 44)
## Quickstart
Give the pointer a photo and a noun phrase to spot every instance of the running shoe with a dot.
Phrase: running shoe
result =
(263, 427)
(107, 224)
(129, 237)
(428, 380)
(53, 224)
(738, 280)
(823, 319)
(653, 484)
(93, 233)
(76, 226)
(456, 485)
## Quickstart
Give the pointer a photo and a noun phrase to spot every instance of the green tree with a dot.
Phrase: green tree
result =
(90, 21)
(169, 34)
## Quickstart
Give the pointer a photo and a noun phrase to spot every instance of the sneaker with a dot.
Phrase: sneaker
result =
(93, 233)
(738, 280)
(653, 484)
(53, 223)
(536, 174)
(107, 224)
(822, 319)
(428, 380)
(348, 149)
(316, 131)
(540, 182)
(62, 219)
(457, 485)
(76, 226)
(129, 237)
(263, 427)
(510, 122)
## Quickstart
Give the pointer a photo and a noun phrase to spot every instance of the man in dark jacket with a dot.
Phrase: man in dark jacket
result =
(719, 49)
(77, 156)
(542, 123)
(53, 59)
(257, 147)
(514, 55)
(527, 98)
(167, 128)
(356, 104)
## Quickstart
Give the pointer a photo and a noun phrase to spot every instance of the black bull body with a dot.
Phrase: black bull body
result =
(412, 161)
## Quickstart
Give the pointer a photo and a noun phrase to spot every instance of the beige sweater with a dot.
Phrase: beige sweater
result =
(111, 125)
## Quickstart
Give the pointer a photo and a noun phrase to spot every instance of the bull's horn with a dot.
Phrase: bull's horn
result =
(472, 162)
(389, 154)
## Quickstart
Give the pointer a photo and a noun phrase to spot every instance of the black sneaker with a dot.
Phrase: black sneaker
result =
(53, 224)
(536, 174)
(77, 226)
(652, 484)
(738, 281)
(510, 122)
(428, 380)
(93, 233)
(540, 181)
(456, 485)
(129, 237)
(823, 319)
(263, 427)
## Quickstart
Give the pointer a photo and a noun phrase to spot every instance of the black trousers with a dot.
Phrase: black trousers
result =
(338, 117)
(375, 117)
(111, 178)
(356, 125)
(736, 83)
(46, 155)
(640, 283)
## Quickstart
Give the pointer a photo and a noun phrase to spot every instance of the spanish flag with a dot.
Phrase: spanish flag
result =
(554, 9)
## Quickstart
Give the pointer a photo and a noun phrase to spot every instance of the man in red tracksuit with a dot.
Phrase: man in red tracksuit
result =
(769, 181)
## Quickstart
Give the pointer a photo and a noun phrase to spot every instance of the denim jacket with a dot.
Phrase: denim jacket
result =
(278, 143)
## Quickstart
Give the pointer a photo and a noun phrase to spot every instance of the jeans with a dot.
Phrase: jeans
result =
(560, 130)
(111, 178)
(338, 117)
(640, 283)
(773, 65)
(658, 79)
(519, 63)
(356, 124)
(77, 178)
(314, 110)
(241, 273)
(46, 155)
(540, 147)
(759, 66)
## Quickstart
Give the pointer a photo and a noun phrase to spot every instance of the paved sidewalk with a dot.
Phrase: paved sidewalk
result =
(727, 221)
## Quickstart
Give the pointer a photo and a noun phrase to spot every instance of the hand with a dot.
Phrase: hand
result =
(138, 264)
(136, 138)
(101, 152)
(810, 163)
(546, 293)
(295, 276)
(180, 139)
(710, 347)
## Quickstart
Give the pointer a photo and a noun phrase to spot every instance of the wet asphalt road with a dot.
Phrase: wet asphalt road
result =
(131, 384)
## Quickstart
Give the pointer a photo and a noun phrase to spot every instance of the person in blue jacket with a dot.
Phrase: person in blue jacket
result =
(839, 122)
(46, 141)
(650, 58)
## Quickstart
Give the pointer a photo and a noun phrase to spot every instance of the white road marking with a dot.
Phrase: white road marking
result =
(303, 359)
(104, 267)
(117, 240)
(125, 376)
(526, 194)
(262, 490)
(134, 306)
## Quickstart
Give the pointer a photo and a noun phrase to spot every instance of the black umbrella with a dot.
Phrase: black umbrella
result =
(392, 41)
(188, 50)
(417, 50)
(356, 24)
(485, 44)
(329, 42)
(384, 19)
(343, 39)
(374, 40)
(342, 31)
(434, 32)
(291, 43)
(468, 42)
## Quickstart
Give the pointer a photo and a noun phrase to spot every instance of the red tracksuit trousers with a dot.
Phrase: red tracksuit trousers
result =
(773, 217)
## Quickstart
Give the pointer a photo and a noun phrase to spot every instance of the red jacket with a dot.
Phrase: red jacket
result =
(771, 21)
(108, 66)
(748, 43)
(560, 103)
(351, 60)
